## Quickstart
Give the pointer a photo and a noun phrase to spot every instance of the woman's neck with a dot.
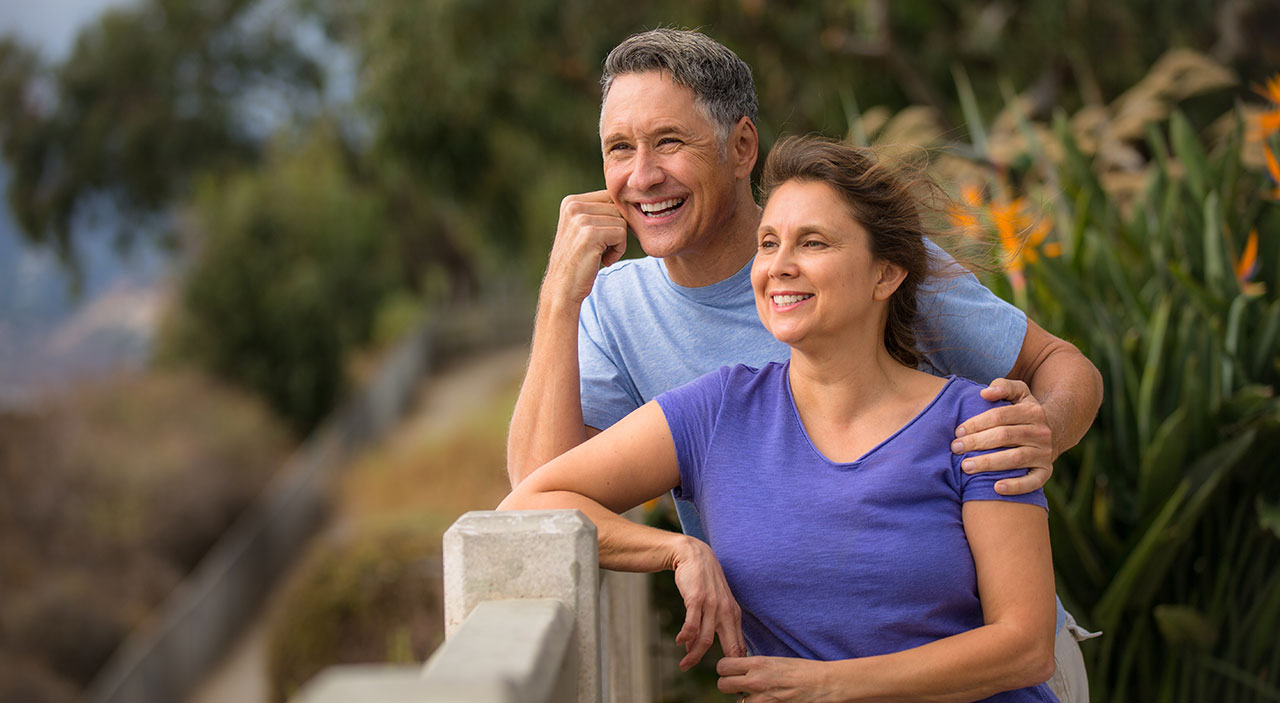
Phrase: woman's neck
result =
(840, 383)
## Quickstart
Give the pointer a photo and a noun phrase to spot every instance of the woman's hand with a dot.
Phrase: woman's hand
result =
(710, 607)
(774, 679)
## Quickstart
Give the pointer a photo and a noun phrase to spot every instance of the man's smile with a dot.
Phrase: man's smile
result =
(661, 208)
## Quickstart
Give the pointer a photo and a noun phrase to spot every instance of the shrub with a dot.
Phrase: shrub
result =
(368, 594)
(1162, 269)
(291, 264)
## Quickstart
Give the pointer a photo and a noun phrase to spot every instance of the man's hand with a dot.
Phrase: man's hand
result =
(591, 233)
(1021, 428)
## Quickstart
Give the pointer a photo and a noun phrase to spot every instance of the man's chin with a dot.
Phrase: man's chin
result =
(659, 246)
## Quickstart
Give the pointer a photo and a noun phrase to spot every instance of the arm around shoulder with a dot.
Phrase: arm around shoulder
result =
(1066, 384)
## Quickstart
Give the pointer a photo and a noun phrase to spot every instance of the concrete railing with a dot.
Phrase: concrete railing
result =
(529, 618)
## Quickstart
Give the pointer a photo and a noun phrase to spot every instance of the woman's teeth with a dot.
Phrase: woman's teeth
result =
(790, 299)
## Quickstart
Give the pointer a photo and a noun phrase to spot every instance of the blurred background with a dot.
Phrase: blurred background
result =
(224, 217)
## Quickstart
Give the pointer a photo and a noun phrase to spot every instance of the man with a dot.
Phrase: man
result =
(679, 141)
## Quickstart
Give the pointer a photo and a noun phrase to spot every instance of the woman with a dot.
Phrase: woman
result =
(854, 583)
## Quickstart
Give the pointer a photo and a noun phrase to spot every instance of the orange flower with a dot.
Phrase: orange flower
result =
(1269, 121)
(1273, 168)
(1021, 233)
(1247, 266)
(965, 217)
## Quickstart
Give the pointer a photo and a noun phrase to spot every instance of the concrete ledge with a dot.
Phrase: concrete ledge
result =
(372, 683)
(515, 646)
(490, 555)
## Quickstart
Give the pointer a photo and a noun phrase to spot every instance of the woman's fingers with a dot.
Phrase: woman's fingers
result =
(710, 608)
(733, 666)
(730, 630)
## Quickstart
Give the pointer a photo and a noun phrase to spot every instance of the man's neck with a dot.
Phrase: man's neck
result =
(723, 255)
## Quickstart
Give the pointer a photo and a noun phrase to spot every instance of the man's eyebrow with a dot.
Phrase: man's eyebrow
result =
(659, 131)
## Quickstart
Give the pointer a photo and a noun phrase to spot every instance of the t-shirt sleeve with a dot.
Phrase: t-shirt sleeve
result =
(608, 393)
(692, 411)
(964, 329)
(982, 486)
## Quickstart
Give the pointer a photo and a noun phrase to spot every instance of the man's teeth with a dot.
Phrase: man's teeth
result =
(658, 208)
(790, 299)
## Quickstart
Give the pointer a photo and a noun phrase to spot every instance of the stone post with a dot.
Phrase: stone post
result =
(490, 555)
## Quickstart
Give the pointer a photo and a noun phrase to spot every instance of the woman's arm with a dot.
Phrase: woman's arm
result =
(1013, 649)
(627, 464)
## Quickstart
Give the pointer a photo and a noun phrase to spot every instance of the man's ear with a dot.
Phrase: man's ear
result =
(743, 147)
(891, 276)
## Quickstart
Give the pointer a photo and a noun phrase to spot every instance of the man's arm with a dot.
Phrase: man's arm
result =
(1055, 393)
(547, 420)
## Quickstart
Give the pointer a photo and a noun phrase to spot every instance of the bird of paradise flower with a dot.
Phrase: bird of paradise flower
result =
(1019, 231)
(1269, 121)
(1246, 267)
(1268, 124)
(1021, 234)
(1273, 169)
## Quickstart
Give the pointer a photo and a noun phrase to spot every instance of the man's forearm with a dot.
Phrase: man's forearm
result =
(547, 420)
(1067, 386)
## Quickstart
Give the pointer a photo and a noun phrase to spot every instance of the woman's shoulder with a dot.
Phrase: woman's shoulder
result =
(964, 397)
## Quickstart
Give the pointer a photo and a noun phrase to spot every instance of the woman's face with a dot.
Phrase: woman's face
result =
(814, 276)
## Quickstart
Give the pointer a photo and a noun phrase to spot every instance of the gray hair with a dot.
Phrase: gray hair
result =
(720, 81)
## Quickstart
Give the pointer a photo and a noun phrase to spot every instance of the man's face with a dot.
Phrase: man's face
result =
(664, 165)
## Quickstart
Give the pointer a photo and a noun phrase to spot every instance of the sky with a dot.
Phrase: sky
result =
(50, 24)
(48, 337)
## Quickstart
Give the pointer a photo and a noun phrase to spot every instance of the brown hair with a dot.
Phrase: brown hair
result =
(883, 201)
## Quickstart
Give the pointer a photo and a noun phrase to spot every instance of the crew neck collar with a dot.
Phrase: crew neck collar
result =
(721, 293)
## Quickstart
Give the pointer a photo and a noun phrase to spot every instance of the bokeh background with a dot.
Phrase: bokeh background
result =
(222, 215)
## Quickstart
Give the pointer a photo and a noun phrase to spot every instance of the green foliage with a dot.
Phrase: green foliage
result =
(151, 95)
(291, 267)
(1159, 516)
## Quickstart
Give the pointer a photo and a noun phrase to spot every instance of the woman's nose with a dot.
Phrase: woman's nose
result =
(784, 263)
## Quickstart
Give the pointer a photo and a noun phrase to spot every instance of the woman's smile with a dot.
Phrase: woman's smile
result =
(814, 275)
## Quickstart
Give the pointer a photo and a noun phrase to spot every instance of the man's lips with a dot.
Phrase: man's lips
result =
(657, 209)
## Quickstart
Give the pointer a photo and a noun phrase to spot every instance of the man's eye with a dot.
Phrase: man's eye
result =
(619, 147)
(668, 141)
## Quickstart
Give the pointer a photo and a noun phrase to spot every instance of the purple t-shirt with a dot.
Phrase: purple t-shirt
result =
(833, 560)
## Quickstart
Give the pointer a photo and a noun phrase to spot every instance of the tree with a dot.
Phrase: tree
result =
(290, 264)
(150, 96)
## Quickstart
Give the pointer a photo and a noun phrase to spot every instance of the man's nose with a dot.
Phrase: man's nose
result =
(646, 170)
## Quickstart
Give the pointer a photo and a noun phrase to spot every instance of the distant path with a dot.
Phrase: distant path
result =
(443, 400)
